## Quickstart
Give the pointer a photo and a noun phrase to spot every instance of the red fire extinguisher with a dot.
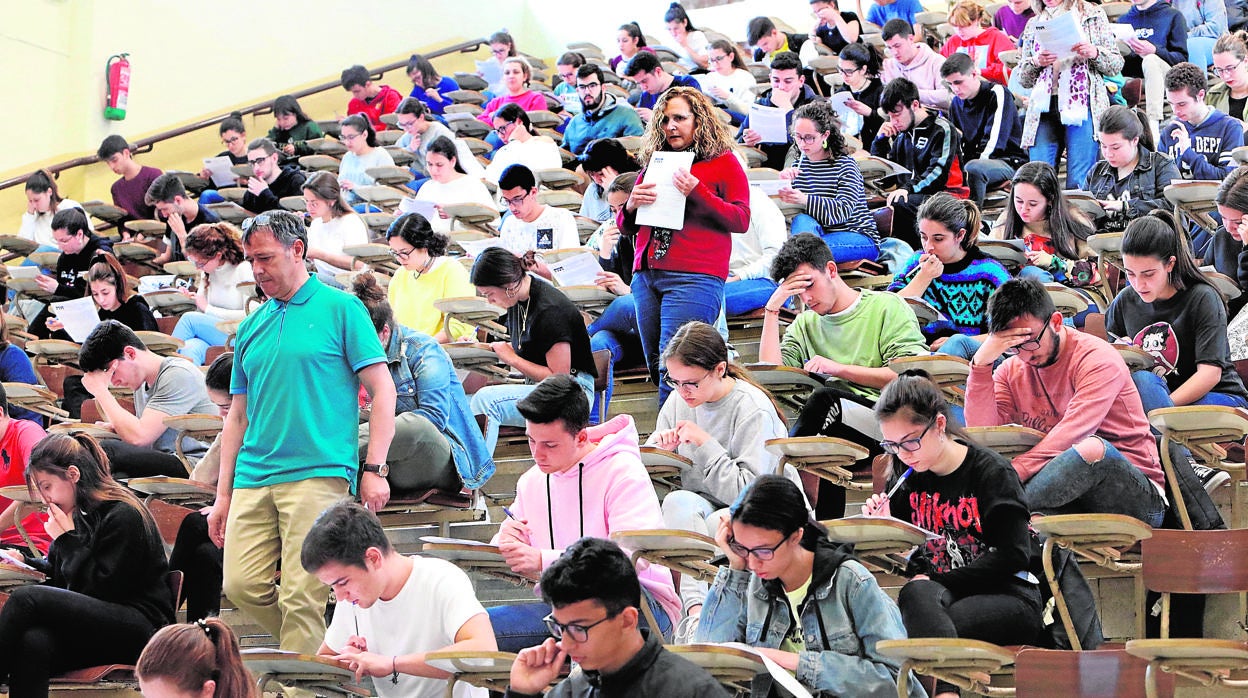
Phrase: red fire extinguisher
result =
(118, 69)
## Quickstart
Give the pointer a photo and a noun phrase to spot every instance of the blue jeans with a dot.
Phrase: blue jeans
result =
(616, 331)
(747, 295)
(846, 246)
(1154, 393)
(1045, 276)
(1070, 485)
(210, 196)
(198, 331)
(1079, 143)
(498, 404)
(519, 626)
(981, 174)
(665, 301)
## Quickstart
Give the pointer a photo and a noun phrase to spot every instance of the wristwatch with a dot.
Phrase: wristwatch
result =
(382, 470)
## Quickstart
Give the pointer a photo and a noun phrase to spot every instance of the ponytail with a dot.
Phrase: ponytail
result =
(188, 655)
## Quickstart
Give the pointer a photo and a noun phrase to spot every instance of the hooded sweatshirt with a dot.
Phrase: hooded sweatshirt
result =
(386, 101)
(1162, 26)
(924, 72)
(606, 492)
(1209, 155)
(984, 50)
(611, 119)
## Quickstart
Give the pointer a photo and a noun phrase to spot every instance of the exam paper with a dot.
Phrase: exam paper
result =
(771, 187)
(23, 272)
(1060, 34)
(422, 206)
(851, 121)
(668, 209)
(778, 673)
(769, 123)
(474, 248)
(79, 317)
(1122, 32)
(578, 270)
(219, 167)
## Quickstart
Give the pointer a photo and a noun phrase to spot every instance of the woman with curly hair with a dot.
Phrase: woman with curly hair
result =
(679, 274)
(427, 275)
(216, 249)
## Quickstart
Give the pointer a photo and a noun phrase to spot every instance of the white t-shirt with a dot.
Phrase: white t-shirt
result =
(224, 299)
(424, 616)
(739, 84)
(537, 153)
(38, 226)
(332, 237)
(554, 229)
(464, 190)
(697, 41)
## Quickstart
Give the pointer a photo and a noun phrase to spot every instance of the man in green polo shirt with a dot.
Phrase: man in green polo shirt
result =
(289, 449)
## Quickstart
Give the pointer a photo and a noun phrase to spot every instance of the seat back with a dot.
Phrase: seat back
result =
(1196, 562)
(1088, 674)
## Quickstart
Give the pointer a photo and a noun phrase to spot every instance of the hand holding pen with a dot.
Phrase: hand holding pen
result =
(877, 504)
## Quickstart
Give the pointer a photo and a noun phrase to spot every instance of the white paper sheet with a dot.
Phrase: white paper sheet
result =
(851, 121)
(423, 207)
(475, 247)
(23, 272)
(1060, 34)
(220, 169)
(577, 270)
(771, 187)
(769, 122)
(1122, 32)
(79, 317)
(778, 673)
(491, 70)
(668, 210)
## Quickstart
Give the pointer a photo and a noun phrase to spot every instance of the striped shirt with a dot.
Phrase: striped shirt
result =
(837, 196)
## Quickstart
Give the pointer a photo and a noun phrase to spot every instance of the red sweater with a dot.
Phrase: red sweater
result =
(386, 101)
(716, 208)
(983, 49)
(1087, 391)
(15, 446)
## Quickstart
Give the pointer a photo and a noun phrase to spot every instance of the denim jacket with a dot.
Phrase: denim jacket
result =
(426, 383)
(1146, 185)
(843, 615)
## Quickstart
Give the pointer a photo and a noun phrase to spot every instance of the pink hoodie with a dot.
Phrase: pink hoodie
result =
(924, 72)
(614, 493)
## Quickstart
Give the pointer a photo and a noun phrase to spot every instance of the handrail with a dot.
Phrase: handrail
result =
(145, 144)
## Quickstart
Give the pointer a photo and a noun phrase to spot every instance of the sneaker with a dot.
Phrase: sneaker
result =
(1211, 478)
(685, 630)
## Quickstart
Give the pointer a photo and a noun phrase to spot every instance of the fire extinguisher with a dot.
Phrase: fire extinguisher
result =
(118, 70)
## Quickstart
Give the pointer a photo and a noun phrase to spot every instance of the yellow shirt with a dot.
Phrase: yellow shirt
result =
(795, 641)
(412, 296)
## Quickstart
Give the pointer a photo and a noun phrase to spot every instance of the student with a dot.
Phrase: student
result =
(427, 276)
(985, 114)
(502, 47)
(1160, 42)
(789, 92)
(951, 273)
(420, 130)
(977, 39)
(882, 12)
(1226, 251)
(532, 224)
(601, 115)
(973, 581)
(234, 137)
(1172, 312)
(1200, 138)
(1229, 56)
(516, 76)
(428, 86)
(448, 183)
(720, 423)
(596, 476)
(653, 80)
(522, 145)
(834, 29)
(728, 83)
(216, 250)
(363, 153)
(195, 659)
(593, 584)
(604, 160)
(1090, 412)
(1206, 22)
(368, 99)
(181, 214)
(332, 227)
(15, 367)
(114, 299)
(547, 332)
(379, 592)
(43, 202)
(18, 438)
(1132, 178)
(1054, 233)
(810, 606)
(827, 183)
(566, 66)
(164, 386)
(690, 44)
(859, 65)
(292, 129)
(769, 42)
(130, 191)
(919, 140)
(915, 61)
(270, 182)
(107, 588)
(1012, 17)
(631, 43)
(437, 444)
(847, 334)
(1065, 119)
(78, 246)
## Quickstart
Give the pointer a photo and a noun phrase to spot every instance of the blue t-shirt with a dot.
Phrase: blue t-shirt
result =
(904, 9)
(297, 361)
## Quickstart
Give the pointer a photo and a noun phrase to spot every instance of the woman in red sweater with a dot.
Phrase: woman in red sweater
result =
(976, 36)
(679, 273)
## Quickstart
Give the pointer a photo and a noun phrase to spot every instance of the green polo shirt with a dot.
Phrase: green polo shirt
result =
(297, 363)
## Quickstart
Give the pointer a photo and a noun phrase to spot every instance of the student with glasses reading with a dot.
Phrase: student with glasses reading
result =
(799, 598)
(1230, 62)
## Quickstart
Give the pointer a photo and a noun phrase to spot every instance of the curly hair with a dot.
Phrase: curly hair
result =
(211, 239)
(823, 116)
(710, 136)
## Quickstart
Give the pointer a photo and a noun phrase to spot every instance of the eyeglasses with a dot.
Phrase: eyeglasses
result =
(1029, 345)
(231, 140)
(588, 86)
(407, 124)
(715, 59)
(402, 255)
(807, 139)
(503, 130)
(909, 445)
(576, 631)
(499, 51)
(200, 264)
(1223, 72)
(517, 200)
(261, 220)
(848, 71)
(681, 385)
(349, 136)
(761, 553)
(257, 161)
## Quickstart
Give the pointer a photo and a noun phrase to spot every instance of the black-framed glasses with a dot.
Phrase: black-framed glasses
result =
(257, 161)
(517, 200)
(807, 139)
(1223, 72)
(848, 71)
(261, 220)
(908, 445)
(589, 86)
(576, 631)
(1029, 345)
(715, 59)
(401, 255)
(762, 553)
(681, 385)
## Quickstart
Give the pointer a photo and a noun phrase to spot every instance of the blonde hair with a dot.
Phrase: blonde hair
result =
(968, 12)
(711, 137)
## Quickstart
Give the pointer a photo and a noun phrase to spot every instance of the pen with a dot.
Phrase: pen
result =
(509, 514)
(897, 485)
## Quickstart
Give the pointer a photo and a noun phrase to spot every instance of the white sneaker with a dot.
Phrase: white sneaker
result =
(685, 630)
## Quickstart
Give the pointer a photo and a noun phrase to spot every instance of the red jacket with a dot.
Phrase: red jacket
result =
(984, 50)
(386, 101)
(716, 208)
